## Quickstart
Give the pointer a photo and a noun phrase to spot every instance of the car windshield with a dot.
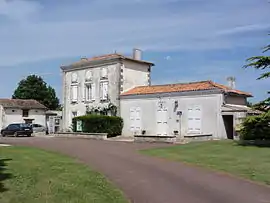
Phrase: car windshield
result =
(24, 125)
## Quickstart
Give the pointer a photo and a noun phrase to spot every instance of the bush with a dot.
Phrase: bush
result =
(256, 127)
(99, 124)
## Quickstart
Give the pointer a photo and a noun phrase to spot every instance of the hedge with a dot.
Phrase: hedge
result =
(256, 127)
(112, 125)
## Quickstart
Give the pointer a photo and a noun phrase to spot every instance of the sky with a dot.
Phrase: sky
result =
(188, 40)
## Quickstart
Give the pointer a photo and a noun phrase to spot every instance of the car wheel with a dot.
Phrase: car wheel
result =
(3, 135)
(29, 135)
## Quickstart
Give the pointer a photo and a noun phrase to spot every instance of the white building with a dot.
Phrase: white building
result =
(21, 111)
(190, 110)
(96, 82)
(203, 110)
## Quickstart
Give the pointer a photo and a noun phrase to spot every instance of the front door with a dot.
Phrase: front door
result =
(162, 120)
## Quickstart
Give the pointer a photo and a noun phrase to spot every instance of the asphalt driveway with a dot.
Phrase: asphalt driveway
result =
(151, 180)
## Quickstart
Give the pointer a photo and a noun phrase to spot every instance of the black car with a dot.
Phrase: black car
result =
(17, 129)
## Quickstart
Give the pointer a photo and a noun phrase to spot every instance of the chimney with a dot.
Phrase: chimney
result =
(231, 82)
(83, 58)
(137, 54)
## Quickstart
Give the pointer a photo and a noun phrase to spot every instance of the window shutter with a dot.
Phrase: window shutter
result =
(74, 93)
(105, 90)
(132, 118)
(83, 92)
(93, 92)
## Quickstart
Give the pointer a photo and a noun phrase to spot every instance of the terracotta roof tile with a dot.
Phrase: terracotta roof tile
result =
(106, 57)
(21, 103)
(182, 87)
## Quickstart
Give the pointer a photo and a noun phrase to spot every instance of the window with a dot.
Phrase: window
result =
(104, 91)
(74, 93)
(25, 112)
(13, 126)
(90, 92)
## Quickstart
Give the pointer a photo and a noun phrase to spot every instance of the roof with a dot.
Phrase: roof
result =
(21, 103)
(106, 57)
(183, 87)
(239, 108)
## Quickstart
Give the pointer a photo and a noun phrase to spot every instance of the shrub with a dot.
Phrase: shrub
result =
(256, 127)
(99, 124)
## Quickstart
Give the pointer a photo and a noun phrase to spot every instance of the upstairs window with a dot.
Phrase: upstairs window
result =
(25, 112)
(74, 93)
(104, 91)
(90, 92)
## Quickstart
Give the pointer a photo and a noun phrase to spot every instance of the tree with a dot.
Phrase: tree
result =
(261, 63)
(34, 87)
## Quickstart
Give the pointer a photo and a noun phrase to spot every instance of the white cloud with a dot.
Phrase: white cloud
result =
(18, 9)
(44, 31)
(168, 58)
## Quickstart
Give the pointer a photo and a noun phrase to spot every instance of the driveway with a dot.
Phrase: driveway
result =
(151, 180)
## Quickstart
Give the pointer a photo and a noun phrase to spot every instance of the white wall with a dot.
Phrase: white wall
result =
(14, 115)
(210, 106)
(80, 106)
(135, 74)
(121, 76)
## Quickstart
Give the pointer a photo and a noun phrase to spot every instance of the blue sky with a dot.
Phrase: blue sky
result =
(188, 40)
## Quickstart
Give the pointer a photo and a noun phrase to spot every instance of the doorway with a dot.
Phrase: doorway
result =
(228, 124)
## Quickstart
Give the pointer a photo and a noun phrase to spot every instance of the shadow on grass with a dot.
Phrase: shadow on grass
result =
(3, 175)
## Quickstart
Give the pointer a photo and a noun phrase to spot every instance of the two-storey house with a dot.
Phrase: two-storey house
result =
(96, 83)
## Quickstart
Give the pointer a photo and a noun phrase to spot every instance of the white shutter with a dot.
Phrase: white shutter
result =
(138, 119)
(105, 91)
(194, 119)
(191, 126)
(132, 118)
(93, 92)
(197, 119)
(83, 92)
(74, 93)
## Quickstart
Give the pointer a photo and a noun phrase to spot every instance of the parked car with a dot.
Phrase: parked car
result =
(38, 128)
(17, 129)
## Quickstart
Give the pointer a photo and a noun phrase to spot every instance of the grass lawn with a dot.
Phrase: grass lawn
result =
(249, 162)
(29, 175)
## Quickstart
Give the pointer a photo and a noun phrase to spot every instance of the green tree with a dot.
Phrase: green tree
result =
(261, 63)
(34, 87)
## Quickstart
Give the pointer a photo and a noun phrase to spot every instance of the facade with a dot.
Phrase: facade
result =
(190, 110)
(202, 109)
(21, 111)
(96, 83)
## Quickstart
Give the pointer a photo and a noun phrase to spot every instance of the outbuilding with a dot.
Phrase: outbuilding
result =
(196, 110)
(21, 111)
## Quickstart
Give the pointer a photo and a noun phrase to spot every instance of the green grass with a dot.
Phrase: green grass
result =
(245, 161)
(29, 175)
